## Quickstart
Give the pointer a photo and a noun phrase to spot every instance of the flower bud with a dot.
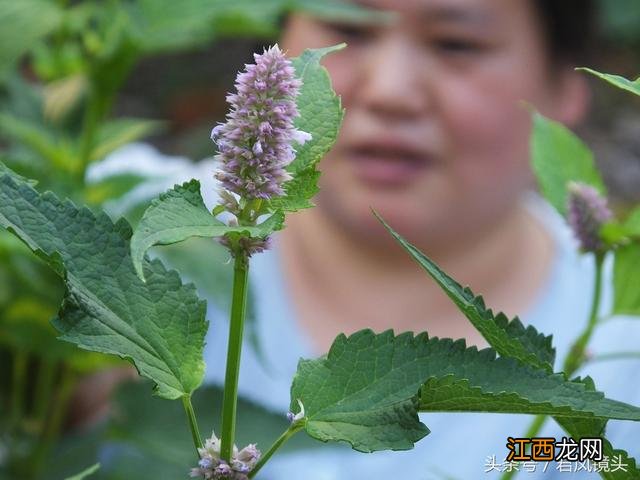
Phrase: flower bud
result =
(587, 211)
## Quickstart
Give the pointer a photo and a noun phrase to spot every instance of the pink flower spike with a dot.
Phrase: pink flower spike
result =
(255, 143)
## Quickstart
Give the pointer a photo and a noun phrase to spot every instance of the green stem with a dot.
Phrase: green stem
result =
(18, 385)
(614, 356)
(576, 356)
(193, 423)
(230, 396)
(92, 116)
(532, 431)
(286, 435)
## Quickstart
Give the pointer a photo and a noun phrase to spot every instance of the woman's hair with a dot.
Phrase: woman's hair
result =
(569, 27)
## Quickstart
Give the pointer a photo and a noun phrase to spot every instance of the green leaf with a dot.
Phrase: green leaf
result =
(167, 26)
(159, 326)
(632, 223)
(558, 156)
(163, 449)
(626, 280)
(181, 213)
(116, 133)
(617, 80)
(299, 191)
(86, 473)
(578, 428)
(4, 170)
(365, 392)
(615, 233)
(35, 137)
(22, 24)
(508, 337)
(321, 115)
(628, 472)
(257, 18)
(111, 188)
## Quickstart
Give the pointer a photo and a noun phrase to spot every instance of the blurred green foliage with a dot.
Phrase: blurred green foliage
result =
(620, 21)
(62, 65)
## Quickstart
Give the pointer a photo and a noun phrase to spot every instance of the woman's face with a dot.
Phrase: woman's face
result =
(435, 136)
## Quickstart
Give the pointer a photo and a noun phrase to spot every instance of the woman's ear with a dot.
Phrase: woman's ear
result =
(572, 97)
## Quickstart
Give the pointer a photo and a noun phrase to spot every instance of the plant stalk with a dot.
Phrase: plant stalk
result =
(286, 435)
(614, 356)
(238, 311)
(576, 357)
(193, 423)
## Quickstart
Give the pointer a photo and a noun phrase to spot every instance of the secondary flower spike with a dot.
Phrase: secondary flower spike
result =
(587, 212)
(211, 466)
(255, 144)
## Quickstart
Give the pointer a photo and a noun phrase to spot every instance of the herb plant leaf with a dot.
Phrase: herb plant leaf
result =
(365, 392)
(321, 115)
(632, 86)
(579, 428)
(508, 337)
(632, 223)
(86, 473)
(558, 157)
(626, 278)
(6, 170)
(22, 24)
(159, 326)
(179, 214)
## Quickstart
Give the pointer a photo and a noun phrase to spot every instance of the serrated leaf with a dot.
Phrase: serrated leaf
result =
(626, 280)
(161, 449)
(7, 171)
(86, 473)
(632, 86)
(321, 115)
(180, 213)
(116, 133)
(299, 191)
(22, 24)
(558, 156)
(578, 428)
(159, 326)
(508, 337)
(321, 111)
(364, 392)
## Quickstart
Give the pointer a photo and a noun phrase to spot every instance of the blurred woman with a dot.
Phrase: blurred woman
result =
(435, 139)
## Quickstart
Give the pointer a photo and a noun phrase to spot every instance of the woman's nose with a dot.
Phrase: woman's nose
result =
(389, 82)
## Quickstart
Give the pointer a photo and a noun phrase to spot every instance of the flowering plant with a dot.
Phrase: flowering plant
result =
(284, 118)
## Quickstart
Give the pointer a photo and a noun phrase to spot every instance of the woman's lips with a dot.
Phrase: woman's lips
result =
(387, 168)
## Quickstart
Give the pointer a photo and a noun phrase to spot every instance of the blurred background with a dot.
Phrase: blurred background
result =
(81, 79)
